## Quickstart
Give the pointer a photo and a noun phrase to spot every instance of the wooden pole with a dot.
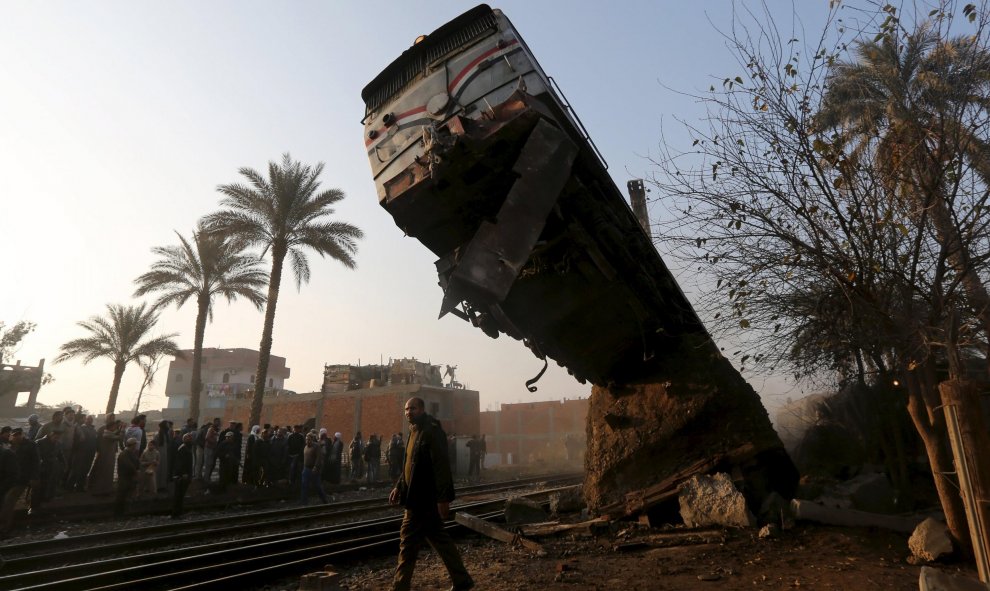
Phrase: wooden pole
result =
(971, 453)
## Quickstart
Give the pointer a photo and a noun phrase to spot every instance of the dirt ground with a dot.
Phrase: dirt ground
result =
(805, 557)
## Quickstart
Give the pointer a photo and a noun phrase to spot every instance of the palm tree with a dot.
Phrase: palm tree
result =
(209, 265)
(914, 102)
(907, 102)
(118, 337)
(284, 213)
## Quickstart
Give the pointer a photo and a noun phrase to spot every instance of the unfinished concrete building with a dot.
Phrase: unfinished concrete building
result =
(16, 379)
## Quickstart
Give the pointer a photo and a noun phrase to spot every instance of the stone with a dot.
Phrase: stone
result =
(713, 500)
(775, 509)
(520, 510)
(869, 492)
(769, 530)
(930, 540)
(935, 580)
(569, 500)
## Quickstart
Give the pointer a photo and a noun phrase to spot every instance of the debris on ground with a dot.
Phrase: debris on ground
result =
(930, 540)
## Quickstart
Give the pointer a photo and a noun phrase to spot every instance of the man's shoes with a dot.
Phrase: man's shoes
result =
(463, 586)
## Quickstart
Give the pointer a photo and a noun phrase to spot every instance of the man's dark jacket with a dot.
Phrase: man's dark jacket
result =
(430, 480)
(28, 461)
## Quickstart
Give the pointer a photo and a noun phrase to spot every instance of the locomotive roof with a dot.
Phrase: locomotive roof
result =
(432, 41)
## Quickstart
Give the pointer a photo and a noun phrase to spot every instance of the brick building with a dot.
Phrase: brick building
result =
(370, 399)
(227, 374)
(552, 430)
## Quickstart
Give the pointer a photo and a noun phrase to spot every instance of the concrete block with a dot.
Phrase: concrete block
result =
(930, 540)
(713, 500)
(522, 510)
(935, 580)
(570, 500)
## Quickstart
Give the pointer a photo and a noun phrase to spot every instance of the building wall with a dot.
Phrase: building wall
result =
(370, 410)
(239, 366)
(534, 430)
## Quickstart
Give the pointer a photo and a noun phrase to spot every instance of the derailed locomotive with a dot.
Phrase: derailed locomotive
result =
(476, 153)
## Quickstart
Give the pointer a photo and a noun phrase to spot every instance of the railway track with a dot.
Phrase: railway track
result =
(231, 560)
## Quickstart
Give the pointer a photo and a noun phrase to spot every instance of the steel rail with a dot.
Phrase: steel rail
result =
(160, 568)
(46, 551)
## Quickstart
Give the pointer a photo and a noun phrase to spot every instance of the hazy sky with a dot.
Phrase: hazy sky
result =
(119, 119)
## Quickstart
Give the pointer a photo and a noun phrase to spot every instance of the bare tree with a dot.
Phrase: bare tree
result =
(812, 254)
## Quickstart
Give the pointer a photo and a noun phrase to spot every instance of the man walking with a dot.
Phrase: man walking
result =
(426, 488)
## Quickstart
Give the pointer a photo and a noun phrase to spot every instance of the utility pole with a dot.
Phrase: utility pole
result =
(637, 197)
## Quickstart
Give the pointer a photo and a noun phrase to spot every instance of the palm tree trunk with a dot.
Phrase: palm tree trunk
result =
(958, 255)
(196, 386)
(265, 349)
(118, 375)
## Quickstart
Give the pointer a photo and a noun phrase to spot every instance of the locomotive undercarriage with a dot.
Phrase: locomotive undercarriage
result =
(543, 254)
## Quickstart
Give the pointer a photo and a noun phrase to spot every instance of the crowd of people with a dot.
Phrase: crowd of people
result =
(127, 461)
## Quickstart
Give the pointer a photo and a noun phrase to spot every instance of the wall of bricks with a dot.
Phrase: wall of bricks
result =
(371, 410)
(534, 430)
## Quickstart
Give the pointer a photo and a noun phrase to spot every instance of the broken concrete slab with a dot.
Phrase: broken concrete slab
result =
(713, 500)
(520, 510)
(932, 579)
(320, 581)
(569, 500)
(870, 492)
(493, 531)
(930, 540)
(593, 527)
(811, 511)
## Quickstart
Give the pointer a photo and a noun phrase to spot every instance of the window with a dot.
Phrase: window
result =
(434, 408)
(178, 378)
(226, 378)
(271, 383)
(252, 379)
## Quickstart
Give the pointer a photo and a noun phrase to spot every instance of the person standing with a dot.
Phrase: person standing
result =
(68, 441)
(355, 449)
(52, 463)
(182, 472)
(149, 470)
(228, 461)
(372, 458)
(336, 458)
(83, 453)
(128, 466)
(34, 425)
(210, 443)
(484, 451)
(109, 439)
(10, 487)
(312, 462)
(251, 467)
(278, 456)
(262, 459)
(474, 456)
(395, 453)
(26, 453)
(136, 430)
(426, 489)
(295, 444)
(163, 441)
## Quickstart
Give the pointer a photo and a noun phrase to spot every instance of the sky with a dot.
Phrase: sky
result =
(119, 119)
